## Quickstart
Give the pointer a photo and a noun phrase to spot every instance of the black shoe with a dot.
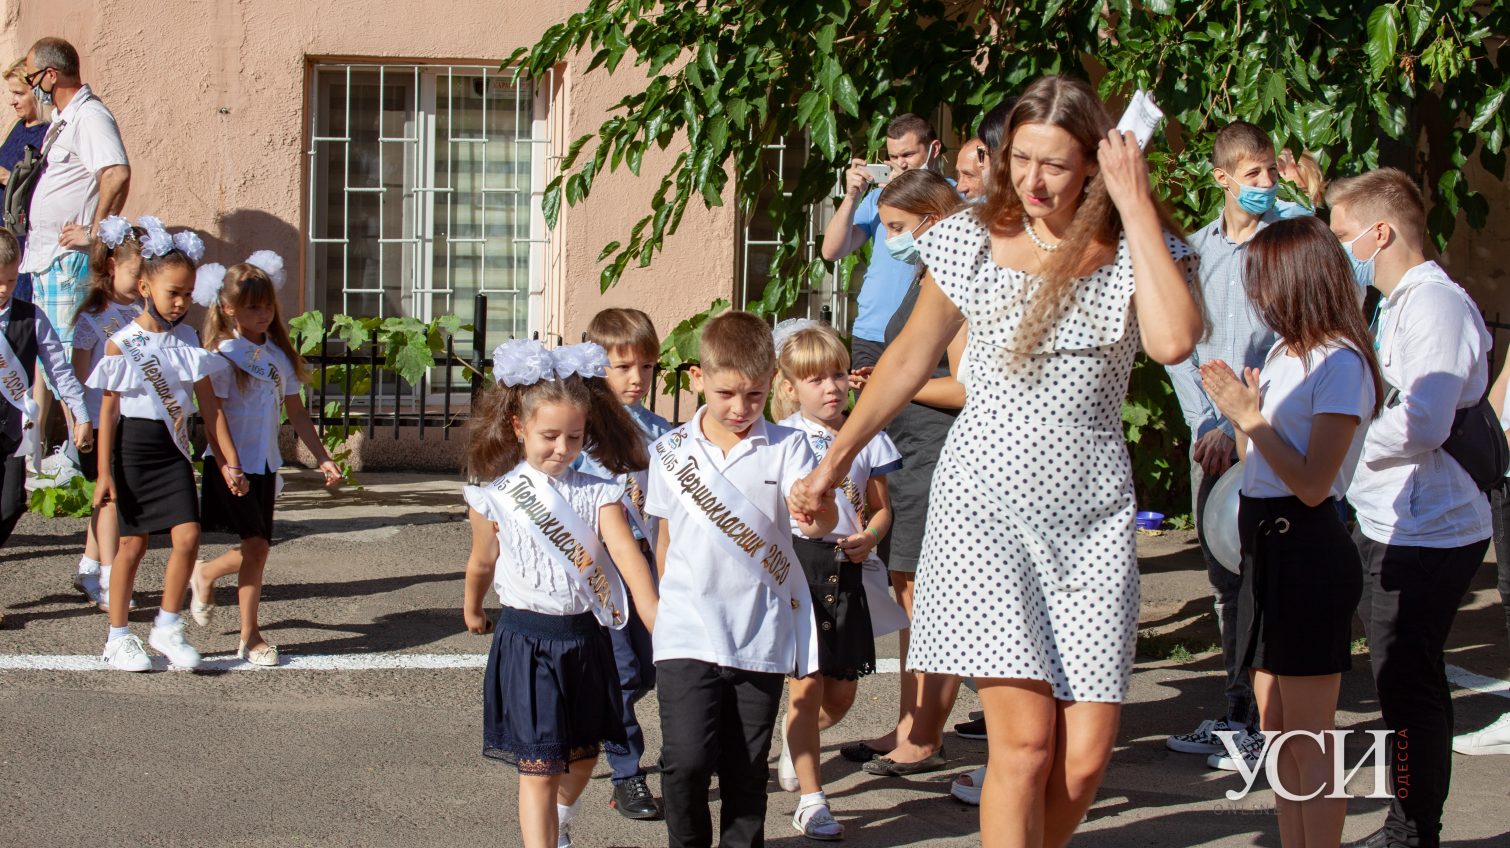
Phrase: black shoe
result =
(633, 800)
(859, 752)
(1377, 839)
(973, 729)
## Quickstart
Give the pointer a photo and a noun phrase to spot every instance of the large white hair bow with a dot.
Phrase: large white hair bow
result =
(158, 242)
(790, 327)
(114, 230)
(524, 362)
(210, 279)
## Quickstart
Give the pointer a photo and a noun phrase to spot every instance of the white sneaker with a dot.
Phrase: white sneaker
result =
(1494, 739)
(817, 822)
(967, 787)
(563, 837)
(1202, 740)
(786, 772)
(169, 641)
(89, 584)
(1250, 745)
(125, 653)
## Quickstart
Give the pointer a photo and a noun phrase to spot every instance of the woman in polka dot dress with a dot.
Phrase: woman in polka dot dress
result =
(1028, 580)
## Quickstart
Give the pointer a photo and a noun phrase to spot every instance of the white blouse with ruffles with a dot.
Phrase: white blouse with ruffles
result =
(181, 354)
(526, 576)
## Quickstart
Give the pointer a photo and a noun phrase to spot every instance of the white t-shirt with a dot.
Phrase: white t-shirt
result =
(111, 319)
(254, 413)
(69, 189)
(527, 577)
(713, 609)
(181, 355)
(1337, 382)
(878, 458)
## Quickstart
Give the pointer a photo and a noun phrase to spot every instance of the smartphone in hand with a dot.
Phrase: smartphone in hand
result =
(879, 174)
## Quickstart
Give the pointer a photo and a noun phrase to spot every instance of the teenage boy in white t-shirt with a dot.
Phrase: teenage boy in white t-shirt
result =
(735, 615)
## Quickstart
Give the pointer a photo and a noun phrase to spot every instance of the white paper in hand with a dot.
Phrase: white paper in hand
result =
(1142, 117)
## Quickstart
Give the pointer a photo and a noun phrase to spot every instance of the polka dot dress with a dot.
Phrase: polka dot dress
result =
(1029, 568)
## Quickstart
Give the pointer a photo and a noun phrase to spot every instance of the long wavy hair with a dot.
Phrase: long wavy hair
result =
(611, 436)
(101, 290)
(1072, 106)
(1298, 278)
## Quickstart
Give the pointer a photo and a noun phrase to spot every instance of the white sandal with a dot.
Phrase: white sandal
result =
(198, 608)
(267, 655)
(967, 787)
(816, 821)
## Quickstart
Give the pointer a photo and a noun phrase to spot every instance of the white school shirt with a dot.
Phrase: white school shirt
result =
(526, 577)
(878, 458)
(50, 357)
(85, 338)
(1337, 381)
(713, 609)
(69, 190)
(181, 355)
(253, 414)
(1433, 346)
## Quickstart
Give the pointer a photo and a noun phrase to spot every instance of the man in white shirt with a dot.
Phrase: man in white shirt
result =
(85, 180)
(1423, 524)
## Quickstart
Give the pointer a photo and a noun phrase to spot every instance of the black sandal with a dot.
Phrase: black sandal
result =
(887, 767)
(859, 752)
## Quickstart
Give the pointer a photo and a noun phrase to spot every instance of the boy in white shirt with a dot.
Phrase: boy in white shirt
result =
(1423, 524)
(735, 615)
(633, 347)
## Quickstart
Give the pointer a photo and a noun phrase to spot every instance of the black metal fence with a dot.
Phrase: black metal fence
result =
(391, 404)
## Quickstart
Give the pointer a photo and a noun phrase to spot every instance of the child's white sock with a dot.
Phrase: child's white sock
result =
(104, 578)
(812, 799)
(165, 619)
(89, 566)
(565, 814)
(117, 632)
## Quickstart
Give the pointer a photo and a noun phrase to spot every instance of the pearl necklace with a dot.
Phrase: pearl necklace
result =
(1027, 225)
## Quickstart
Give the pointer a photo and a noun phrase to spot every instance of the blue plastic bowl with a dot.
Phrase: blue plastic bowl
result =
(1150, 520)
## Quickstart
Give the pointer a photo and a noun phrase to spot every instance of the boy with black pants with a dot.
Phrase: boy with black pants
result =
(1423, 524)
(735, 615)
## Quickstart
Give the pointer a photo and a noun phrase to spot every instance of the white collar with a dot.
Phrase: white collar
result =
(74, 105)
(758, 434)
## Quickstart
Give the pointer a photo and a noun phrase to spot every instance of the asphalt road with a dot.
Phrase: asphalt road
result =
(390, 757)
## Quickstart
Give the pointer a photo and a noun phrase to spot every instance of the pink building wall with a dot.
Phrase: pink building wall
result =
(212, 100)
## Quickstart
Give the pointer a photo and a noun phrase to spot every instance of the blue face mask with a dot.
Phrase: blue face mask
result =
(1255, 200)
(1363, 269)
(903, 247)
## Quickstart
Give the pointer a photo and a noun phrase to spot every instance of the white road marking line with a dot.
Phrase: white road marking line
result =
(293, 662)
(1477, 682)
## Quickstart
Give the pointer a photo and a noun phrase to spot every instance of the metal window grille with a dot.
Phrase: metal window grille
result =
(424, 191)
(783, 161)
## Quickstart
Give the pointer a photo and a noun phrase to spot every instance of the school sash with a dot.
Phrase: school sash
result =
(108, 321)
(747, 535)
(15, 384)
(634, 504)
(173, 399)
(254, 360)
(886, 615)
(525, 497)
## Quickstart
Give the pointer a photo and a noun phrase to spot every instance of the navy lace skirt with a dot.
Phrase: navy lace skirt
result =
(551, 693)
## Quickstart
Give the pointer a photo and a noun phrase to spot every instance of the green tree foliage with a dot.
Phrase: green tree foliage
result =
(1419, 85)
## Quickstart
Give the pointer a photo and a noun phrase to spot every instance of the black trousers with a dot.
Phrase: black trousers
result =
(12, 492)
(1410, 597)
(715, 720)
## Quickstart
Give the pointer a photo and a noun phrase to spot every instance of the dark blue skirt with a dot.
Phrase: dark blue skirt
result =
(551, 693)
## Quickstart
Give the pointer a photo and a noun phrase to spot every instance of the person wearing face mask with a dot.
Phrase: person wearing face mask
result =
(84, 181)
(1423, 523)
(908, 206)
(1245, 168)
(911, 144)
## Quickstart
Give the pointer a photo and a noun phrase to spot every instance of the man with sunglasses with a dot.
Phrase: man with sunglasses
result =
(84, 180)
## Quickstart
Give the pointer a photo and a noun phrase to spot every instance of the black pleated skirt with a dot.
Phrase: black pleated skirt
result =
(846, 641)
(249, 516)
(550, 695)
(1302, 579)
(154, 481)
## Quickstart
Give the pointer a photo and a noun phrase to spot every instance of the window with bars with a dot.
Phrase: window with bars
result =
(424, 190)
(783, 162)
